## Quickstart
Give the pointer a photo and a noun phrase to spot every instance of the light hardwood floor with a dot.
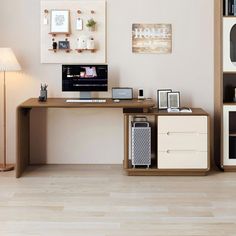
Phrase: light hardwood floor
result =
(99, 200)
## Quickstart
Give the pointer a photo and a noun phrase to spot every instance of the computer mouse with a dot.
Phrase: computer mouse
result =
(116, 100)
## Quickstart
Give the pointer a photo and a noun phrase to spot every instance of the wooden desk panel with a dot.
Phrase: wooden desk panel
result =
(61, 103)
(23, 120)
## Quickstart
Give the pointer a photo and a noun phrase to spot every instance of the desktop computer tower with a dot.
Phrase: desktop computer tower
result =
(141, 143)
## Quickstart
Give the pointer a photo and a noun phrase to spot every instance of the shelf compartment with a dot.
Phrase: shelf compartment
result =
(229, 44)
(229, 84)
(232, 146)
(153, 166)
(232, 134)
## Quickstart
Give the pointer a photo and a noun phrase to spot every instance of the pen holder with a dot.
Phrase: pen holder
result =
(44, 94)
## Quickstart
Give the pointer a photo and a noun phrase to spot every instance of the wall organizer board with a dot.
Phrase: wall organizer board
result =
(65, 35)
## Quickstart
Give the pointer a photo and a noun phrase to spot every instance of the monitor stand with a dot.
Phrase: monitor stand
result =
(85, 95)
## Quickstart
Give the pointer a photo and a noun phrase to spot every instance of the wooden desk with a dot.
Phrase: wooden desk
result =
(23, 120)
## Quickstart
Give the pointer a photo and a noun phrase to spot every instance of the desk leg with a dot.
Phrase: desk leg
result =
(126, 142)
(23, 140)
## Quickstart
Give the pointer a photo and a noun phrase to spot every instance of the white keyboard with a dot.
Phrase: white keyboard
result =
(86, 100)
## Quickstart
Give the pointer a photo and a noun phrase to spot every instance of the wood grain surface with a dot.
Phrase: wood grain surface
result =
(61, 103)
(98, 200)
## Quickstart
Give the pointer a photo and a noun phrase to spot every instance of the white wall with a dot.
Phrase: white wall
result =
(188, 69)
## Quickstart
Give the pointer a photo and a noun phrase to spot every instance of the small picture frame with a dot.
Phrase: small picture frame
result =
(173, 99)
(64, 45)
(60, 21)
(162, 98)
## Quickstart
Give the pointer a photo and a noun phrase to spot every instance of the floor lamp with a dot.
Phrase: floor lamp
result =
(8, 62)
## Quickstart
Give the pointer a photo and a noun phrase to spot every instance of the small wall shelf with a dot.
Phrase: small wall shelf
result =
(55, 34)
(56, 50)
(82, 50)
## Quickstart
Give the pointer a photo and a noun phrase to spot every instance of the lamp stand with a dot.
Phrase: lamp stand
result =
(5, 166)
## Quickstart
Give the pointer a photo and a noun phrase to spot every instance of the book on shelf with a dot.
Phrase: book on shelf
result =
(180, 109)
(229, 7)
(226, 7)
(234, 8)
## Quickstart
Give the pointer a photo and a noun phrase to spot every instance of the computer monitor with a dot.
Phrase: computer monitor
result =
(85, 79)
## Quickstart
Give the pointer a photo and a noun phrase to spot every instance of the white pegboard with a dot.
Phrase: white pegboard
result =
(99, 35)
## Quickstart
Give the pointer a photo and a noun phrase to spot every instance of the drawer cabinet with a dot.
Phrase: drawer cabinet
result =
(182, 142)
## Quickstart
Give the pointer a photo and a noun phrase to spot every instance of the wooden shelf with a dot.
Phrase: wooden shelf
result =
(155, 111)
(229, 72)
(56, 50)
(166, 172)
(82, 50)
(153, 170)
(153, 166)
(55, 34)
(229, 103)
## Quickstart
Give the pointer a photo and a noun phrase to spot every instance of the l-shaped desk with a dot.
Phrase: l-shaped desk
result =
(23, 120)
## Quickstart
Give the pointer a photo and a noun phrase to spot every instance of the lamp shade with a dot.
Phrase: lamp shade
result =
(8, 61)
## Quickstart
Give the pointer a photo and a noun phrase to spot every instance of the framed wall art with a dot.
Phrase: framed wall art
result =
(173, 99)
(152, 38)
(162, 98)
(60, 21)
(64, 45)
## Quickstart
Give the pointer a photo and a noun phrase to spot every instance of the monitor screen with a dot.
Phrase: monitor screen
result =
(84, 78)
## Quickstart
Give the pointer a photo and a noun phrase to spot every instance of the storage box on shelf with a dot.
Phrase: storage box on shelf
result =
(180, 143)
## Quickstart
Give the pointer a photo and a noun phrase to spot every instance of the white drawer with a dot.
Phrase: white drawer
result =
(187, 159)
(182, 141)
(189, 124)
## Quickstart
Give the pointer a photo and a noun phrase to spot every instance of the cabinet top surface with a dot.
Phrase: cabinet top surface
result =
(195, 112)
(61, 103)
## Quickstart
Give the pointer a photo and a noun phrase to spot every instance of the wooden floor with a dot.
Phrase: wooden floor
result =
(101, 201)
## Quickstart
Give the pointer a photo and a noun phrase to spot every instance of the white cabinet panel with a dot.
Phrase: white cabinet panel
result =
(182, 159)
(189, 124)
(182, 142)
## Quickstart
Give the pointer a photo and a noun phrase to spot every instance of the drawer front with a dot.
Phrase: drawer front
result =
(182, 141)
(182, 124)
(187, 159)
